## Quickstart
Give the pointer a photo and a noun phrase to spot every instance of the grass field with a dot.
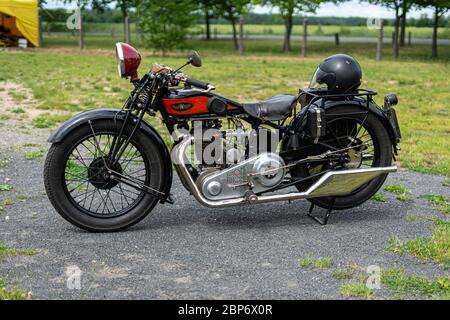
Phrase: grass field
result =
(258, 29)
(66, 81)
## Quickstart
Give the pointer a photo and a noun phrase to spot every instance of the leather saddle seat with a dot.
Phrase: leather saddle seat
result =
(276, 108)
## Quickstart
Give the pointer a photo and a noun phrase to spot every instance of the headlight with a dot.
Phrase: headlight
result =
(128, 59)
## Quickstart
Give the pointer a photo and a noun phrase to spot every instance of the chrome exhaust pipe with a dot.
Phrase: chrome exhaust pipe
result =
(334, 183)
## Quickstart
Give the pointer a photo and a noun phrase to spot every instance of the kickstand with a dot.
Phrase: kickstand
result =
(327, 216)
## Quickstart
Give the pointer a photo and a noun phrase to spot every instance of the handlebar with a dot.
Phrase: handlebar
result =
(175, 77)
(197, 83)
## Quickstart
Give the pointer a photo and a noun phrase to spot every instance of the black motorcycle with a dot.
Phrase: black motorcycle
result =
(108, 168)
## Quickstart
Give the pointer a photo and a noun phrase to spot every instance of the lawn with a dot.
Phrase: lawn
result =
(344, 31)
(69, 81)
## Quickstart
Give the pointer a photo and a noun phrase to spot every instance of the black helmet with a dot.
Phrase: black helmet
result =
(339, 73)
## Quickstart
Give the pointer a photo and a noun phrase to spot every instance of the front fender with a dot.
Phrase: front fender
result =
(119, 115)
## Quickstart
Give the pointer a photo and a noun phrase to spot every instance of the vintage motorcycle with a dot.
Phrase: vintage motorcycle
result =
(330, 144)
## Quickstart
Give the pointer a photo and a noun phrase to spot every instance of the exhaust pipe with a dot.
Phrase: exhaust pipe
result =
(334, 183)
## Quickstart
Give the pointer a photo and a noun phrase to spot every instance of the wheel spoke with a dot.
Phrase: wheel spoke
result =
(86, 177)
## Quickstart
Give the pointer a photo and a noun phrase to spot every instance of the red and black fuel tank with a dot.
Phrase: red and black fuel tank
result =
(188, 102)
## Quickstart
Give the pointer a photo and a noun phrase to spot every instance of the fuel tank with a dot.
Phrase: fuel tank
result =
(188, 102)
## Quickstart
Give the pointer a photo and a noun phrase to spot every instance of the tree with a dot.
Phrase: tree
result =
(165, 23)
(231, 10)
(440, 7)
(395, 5)
(289, 8)
(124, 6)
(208, 7)
(406, 6)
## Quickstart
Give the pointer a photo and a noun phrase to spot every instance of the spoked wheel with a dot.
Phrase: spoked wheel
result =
(81, 187)
(366, 144)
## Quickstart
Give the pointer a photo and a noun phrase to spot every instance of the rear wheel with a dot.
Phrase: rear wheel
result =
(369, 146)
(81, 189)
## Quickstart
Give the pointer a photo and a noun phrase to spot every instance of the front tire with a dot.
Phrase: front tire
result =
(73, 171)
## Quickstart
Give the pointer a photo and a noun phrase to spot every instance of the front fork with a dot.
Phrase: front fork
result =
(120, 144)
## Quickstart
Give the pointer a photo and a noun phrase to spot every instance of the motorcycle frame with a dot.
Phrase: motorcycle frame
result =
(155, 104)
(133, 113)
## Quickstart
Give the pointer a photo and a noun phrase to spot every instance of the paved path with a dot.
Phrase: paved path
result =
(185, 251)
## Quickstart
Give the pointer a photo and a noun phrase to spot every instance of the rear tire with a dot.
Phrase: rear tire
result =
(384, 152)
(55, 176)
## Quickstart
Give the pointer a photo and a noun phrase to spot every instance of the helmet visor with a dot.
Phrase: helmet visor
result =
(316, 81)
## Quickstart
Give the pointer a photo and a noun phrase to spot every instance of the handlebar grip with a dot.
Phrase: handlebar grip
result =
(197, 83)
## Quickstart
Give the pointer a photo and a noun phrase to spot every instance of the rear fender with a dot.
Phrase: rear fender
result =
(329, 105)
(118, 115)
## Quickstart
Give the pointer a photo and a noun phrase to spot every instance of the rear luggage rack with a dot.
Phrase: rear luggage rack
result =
(324, 96)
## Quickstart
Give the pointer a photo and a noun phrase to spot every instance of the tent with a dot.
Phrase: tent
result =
(21, 17)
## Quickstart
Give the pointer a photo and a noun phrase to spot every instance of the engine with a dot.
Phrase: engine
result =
(252, 176)
(237, 162)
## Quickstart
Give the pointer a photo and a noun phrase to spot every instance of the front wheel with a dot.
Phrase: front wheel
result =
(80, 188)
(348, 127)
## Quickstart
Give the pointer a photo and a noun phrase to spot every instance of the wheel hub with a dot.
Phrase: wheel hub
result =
(100, 176)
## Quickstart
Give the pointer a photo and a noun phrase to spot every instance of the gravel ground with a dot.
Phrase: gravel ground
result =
(190, 252)
(185, 251)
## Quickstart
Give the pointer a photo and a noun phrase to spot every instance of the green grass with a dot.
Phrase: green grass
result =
(74, 169)
(72, 81)
(397, 189)
(5, 187)
(260, 29)
(400, 190)
(446, 183)
(48, 120)
(435, 248)
(342, 274)
(5, 203)
(18, 96)
(34, 155)
(347, 31)
(320, 263)
(18, 110)
(438, 200)
(399, 283)
(412, 218)
(378, 197)
(7, 293)
(4, 163)
(356, 289)
(404, 198)
(9, 252)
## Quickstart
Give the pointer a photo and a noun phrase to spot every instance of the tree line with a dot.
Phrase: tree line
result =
(114, 15)
(166, 23)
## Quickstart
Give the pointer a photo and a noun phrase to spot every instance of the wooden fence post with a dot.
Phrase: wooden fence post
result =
(126, 29)
(380, 41)
(336, 38)
(409, 38)
(305, 37)
(40, 26)
(80, 29)
(241, 35)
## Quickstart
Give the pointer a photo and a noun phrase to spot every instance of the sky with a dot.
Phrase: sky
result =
(355, 9)
(352, 8)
